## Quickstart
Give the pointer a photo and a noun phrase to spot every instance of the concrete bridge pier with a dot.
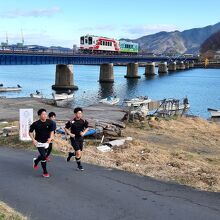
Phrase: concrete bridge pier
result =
(132, 71)
(172, 66)
(162, 68)
(150, 69)
(191, 64)
(180, 65)
(186, 65)
(106, 73)
(64, 78)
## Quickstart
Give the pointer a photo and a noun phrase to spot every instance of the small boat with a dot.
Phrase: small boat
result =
(90, 132)
(1, 84)
(214, 112)
(37, 95)
(137, 101)
(62, 96)
(11, 89)
(110, 100)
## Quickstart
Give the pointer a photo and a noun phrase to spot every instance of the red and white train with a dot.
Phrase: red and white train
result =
(98, 44)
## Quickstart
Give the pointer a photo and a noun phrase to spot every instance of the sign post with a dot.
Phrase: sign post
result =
(26, 119)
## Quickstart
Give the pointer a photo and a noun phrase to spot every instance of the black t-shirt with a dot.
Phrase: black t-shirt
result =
(42, 130)
(54, 126)
(77, 126)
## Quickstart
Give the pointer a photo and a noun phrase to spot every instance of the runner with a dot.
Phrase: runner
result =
(76, 128)
(52, 117)
(43, 136)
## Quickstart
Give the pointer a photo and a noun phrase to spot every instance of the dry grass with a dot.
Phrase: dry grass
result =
(7, 213)
(184, 150)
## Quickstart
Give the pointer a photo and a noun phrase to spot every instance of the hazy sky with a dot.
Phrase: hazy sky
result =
(62, 22)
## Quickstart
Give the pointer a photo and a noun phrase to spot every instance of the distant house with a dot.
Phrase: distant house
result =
(217, 55)
(188, 55)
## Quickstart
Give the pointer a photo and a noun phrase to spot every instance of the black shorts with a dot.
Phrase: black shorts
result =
(77, 143)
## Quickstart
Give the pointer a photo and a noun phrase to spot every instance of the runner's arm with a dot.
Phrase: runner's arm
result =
(67, 129)
(32, 138)
(31, 130)
(86, 126)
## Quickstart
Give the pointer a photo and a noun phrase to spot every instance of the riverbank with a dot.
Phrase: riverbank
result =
(182, 150)
(7, 213)
(185, 150)
(9, 110)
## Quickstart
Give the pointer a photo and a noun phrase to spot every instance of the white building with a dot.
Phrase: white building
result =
(217, 55)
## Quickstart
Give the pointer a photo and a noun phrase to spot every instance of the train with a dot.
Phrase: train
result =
(98, 44)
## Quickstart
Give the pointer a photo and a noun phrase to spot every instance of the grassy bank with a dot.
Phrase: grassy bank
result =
(7, 213)
(183, 150)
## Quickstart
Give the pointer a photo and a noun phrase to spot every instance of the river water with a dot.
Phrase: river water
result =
(201, 86)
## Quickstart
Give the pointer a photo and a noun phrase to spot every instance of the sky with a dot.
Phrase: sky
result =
(62, 22)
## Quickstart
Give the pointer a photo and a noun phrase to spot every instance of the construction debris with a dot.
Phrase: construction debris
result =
(107, 146)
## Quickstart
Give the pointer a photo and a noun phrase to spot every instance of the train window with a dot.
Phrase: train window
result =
(111, 44)
(86, 41)
(90, 40)
(82, 40)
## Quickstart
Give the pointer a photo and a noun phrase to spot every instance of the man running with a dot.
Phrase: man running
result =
(76, 128)
(52, 117)
(43, 136)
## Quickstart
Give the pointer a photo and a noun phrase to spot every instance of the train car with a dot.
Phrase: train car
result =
(128, 47)
(97, 44)
(91, 43)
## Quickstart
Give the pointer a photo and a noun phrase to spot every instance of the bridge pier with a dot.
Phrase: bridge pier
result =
(64, 78)
(172, 66)
(186, 65)
(150, 69)
(191, 64)
(180, 65)
(132, 71)
(162, 68)
(106, 73)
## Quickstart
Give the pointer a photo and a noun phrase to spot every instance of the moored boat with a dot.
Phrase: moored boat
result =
(37, 95)
(137, 101)
(62, 96)
(214, 112)
(110, 100)
(11, 89)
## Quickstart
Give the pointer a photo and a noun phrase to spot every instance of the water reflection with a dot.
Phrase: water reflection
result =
(106, 90)
(131, 86)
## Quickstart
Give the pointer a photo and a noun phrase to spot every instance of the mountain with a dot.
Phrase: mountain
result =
(188, 41)
(212, 43)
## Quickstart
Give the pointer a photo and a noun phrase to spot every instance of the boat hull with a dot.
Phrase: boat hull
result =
(137, 102)
(214, 112)
(110, 102)
(62, 97)
(10, 89)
